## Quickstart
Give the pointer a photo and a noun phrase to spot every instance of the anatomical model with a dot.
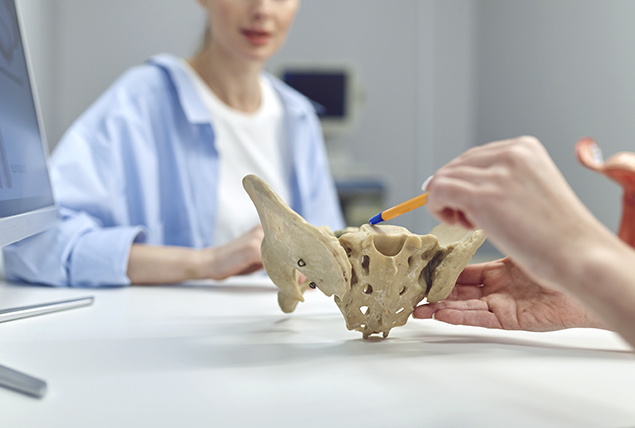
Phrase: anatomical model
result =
(377, 274)
(620, 168)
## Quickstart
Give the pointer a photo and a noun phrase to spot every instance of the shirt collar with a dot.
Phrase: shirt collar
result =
(295, 104)
(192, 105)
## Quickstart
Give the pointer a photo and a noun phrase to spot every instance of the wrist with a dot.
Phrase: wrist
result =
(575, 258)
(201, 263)
(584, 266)
(601, 279)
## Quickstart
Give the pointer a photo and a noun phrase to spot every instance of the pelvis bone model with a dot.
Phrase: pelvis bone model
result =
(377, 274)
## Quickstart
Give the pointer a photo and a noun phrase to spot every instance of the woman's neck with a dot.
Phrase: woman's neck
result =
(234, 81)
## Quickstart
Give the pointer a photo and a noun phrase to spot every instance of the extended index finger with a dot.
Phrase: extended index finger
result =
(472, 274)
(477, 274)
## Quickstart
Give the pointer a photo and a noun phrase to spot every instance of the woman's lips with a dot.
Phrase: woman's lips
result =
(257, 38)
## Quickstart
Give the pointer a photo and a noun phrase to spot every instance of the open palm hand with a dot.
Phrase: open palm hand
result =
(499, 295)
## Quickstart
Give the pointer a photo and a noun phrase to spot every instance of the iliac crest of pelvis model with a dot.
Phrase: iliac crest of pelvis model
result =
(377, 274)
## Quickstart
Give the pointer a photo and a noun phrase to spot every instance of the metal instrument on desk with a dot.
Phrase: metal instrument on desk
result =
(21, 382)
(43, 308)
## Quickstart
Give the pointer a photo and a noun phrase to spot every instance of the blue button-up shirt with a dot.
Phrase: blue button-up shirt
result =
(140, 165)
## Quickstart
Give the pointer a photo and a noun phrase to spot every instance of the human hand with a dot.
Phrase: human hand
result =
(499, 295)
(238, 257)
(514, 192)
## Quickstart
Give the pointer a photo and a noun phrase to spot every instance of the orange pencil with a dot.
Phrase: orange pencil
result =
(400, 209)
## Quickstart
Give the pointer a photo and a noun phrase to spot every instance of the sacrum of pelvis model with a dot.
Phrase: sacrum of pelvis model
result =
(378, 274)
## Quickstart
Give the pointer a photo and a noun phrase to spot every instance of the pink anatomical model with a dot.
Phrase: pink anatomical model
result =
(620, 168)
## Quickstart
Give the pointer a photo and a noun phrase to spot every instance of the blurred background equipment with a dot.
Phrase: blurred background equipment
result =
(336, 91)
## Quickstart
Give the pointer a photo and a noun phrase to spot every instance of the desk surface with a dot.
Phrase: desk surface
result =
(225, 356)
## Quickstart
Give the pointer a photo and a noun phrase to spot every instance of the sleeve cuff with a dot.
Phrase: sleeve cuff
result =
(100, 258)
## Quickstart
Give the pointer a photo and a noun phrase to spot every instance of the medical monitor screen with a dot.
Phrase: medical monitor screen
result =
(24, 180)
(326, 88)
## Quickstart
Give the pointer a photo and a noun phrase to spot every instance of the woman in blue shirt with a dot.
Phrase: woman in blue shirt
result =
(148, 178)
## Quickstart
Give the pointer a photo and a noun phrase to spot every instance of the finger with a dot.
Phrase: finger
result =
(427, 310)
(482, 155)
(467, 175)
(451, 217)
(424, 311)
(449, 198)
(301, 278)
(471, 183)
(472, 275)
(464, 222)
(476, 274)
(485, 319)
(479, 153)
(250, 269)
(465, 292)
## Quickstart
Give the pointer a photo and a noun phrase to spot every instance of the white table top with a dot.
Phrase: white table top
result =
(226, 356)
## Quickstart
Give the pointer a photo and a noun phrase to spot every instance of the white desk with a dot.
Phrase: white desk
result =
(225, 356)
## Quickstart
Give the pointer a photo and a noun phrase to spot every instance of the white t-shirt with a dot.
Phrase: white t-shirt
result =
(247, 143)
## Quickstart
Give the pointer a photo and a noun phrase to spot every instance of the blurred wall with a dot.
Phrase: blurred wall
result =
(413, 59)
(415, 66)
(438, 75)
(560, 70)
(80, 47)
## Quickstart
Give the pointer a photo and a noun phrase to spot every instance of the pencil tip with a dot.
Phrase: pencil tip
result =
(376, 219)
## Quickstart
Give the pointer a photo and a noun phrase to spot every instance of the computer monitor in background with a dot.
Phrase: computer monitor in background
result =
(336, 90)
(332, 87)
(27, 206)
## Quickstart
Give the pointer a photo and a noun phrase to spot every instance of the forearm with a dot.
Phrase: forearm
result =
(163, 264)
(514, 191)
(602, 277)
(168, 265)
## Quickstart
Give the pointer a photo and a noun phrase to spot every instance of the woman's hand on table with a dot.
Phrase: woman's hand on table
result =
(150, 264)
(238, 257)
